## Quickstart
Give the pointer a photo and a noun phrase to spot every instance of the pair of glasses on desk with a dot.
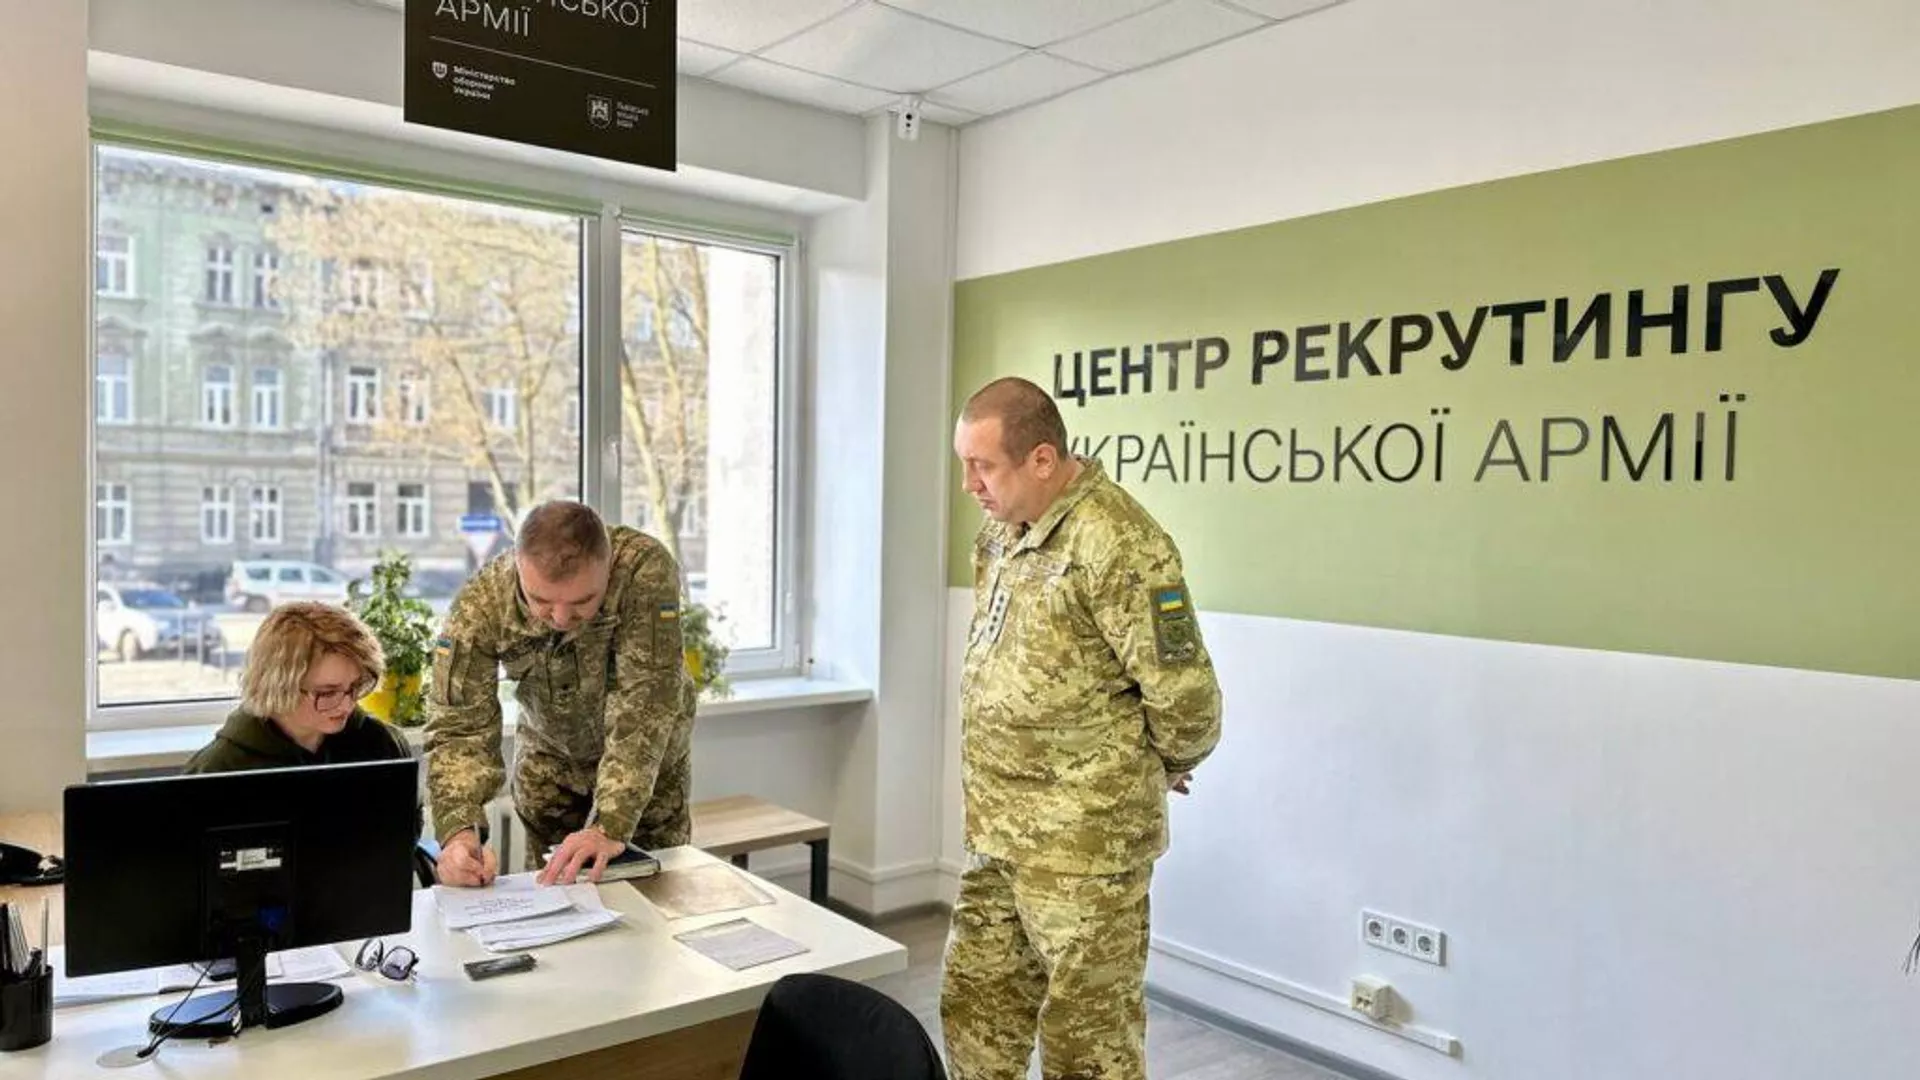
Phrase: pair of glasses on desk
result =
(396, 963)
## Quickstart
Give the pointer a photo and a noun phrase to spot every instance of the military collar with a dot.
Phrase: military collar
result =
(1091, 476)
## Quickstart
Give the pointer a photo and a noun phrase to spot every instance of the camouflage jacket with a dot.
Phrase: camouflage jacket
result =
(1086, 685)
(611, 696)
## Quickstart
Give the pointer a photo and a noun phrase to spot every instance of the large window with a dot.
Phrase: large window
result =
(699, 418)
(418, 344)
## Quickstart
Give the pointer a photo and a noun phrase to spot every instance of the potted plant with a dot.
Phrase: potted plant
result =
(404, 627)
(706, 657)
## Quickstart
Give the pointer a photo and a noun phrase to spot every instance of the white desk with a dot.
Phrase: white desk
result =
(597, 996)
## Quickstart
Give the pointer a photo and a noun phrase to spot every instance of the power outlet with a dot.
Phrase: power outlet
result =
(1422, 943)
(1371, 997)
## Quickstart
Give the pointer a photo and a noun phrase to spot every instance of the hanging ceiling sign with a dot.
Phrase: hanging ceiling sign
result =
(589, 76)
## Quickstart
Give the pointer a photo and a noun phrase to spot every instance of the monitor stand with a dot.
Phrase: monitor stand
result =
(251, 1003)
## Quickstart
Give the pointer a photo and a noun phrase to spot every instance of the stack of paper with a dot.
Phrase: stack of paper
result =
(740, 944)
(517, 913)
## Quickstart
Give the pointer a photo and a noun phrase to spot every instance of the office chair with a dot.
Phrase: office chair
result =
(426, 855)
(819, 1027)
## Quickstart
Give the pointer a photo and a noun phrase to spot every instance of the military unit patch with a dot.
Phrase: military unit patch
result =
(1175, 638)
(669, 612)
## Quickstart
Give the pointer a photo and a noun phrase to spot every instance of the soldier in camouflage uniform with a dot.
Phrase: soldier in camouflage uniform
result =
(1086, 696)
(585, 621)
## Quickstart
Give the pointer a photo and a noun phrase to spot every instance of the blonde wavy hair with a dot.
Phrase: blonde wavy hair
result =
(290, 641)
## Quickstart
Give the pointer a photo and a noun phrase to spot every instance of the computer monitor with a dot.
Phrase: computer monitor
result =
(232, 866)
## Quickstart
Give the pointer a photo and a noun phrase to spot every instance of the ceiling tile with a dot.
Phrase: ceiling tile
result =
(1282, 9)
(697, 59)
(803, 86)
(1028, 79)
(751, 25)
(1175, 28)
(1029, 22)
(880, 47)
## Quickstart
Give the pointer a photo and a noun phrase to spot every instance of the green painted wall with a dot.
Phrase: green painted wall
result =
(1804, 559)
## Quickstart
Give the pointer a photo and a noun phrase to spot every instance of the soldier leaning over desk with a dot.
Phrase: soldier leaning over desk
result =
(586, 621)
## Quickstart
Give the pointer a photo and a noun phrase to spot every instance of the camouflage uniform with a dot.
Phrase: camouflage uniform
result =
(1086, 689)
(606, 710)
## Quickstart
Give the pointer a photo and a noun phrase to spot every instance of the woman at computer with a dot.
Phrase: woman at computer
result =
(299, 697)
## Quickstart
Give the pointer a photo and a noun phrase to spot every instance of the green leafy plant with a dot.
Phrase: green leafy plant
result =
(706, 655)
(404, 627)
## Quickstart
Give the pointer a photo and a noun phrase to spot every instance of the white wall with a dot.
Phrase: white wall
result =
(45, 278)
(1648, 867)
(882, 274)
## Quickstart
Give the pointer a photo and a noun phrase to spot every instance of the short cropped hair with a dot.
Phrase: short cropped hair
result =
(1028, 417)
(290, 641)
(563, 537)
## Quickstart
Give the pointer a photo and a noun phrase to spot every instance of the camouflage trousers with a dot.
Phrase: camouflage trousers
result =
(1062, 956)
(553, 796)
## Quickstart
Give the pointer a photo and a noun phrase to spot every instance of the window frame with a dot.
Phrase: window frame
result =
(402, 503)
(263, 284)
(416, 398)
(215, 506)
(369, 412)
(101, 381)
(369, 507)
(130, 287)
(273, 510)
(502, 419)
(104, 502)
(219, 271)
(555, 189)
(219, 419)
(257, 393)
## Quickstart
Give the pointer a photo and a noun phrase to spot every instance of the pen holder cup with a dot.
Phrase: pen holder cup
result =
(26, 1010)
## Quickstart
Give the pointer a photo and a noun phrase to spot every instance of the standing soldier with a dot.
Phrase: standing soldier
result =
(586, 622)
(1087, 695)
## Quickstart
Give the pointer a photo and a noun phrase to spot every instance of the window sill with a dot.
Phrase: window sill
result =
(128, 749)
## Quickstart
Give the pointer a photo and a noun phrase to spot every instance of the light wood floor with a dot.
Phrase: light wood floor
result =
(1178, 1048)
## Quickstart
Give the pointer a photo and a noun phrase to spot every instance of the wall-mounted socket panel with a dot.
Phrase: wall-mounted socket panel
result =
(1422, 943)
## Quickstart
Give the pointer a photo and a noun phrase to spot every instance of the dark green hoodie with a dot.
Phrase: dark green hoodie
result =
(252, 742)
(247, 741)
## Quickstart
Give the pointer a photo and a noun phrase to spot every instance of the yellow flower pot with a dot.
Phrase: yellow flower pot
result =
(383, 699)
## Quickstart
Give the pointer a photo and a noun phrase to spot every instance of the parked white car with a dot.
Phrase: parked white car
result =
(138, 620)
(261, 584)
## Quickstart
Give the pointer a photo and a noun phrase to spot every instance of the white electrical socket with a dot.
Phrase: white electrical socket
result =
(1422, 943)
(1371, 997)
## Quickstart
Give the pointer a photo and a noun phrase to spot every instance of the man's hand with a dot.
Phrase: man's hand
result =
(463, 862)
(1177, 782)
(576, 852)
